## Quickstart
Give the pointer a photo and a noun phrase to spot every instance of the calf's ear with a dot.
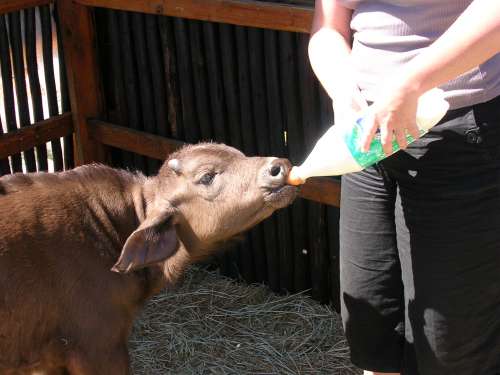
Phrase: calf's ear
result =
(153, 241)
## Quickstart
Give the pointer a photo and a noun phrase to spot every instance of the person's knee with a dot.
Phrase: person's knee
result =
(380, 373)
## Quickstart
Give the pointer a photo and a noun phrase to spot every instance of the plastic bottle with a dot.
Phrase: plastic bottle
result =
(338, 151)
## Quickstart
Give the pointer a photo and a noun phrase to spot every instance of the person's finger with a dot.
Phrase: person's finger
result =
(413, 130)
(386, 136)
(401, 138)
(370, 127)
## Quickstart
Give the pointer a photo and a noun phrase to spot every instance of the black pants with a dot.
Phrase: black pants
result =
(420, 252)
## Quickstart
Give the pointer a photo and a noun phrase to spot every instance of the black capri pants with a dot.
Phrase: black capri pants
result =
(420, 252)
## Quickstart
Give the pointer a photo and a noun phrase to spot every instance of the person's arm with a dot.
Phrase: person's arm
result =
(329, 55)
(472, 39)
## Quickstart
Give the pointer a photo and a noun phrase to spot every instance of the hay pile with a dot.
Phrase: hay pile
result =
(213, 325)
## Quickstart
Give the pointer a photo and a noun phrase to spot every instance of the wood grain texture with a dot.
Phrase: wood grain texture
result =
(237, 12)
(39, 133)
(77, 29)
(13, 5)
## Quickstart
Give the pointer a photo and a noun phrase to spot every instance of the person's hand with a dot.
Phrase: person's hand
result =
(347, 102)
(394, 115)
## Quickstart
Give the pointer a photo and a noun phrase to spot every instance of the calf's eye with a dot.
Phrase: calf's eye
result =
(207, 178)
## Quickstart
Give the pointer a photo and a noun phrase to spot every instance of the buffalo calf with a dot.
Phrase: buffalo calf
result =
(81, 251)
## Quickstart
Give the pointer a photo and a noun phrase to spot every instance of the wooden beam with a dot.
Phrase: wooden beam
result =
(133, 140)
(7, 6)
(78, 38)
(322, 189)
(319, 189)
(37, 134)
(250, 13)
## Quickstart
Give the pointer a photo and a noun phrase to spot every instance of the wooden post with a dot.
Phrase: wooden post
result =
(77, 26)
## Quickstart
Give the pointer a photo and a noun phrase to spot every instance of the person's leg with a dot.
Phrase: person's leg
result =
(448, 225)
(371, 286)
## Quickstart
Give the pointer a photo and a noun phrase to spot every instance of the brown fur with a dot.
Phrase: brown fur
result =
(62, 309)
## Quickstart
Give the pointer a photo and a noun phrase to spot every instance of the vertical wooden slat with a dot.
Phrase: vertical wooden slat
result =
(83, 79)
(132, 114)
(68, 141)
(249, 143)
(174, 109)
(191, 127)
(144, 80)
(157, 70)
(107, 31)
(50, 82)
(204, 113)
(4, 163)
(16, 44)
(229, 80)
(216, 97)
(276, 137)
(8, 90)
(34, 80)
(292, 116)
(260, 108)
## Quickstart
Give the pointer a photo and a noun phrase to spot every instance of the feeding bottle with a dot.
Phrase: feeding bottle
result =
(338, 151)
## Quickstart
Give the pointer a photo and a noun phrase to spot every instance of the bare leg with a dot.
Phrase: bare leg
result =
(380, 373)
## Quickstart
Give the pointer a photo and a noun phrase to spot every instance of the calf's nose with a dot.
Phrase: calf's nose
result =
(276, 171)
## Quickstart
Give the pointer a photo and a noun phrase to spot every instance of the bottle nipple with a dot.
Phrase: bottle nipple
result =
(294, 177)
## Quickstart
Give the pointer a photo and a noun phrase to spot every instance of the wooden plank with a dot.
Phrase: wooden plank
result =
(319, 189)
(13, 5)
(130, 80)
(34, 81)
(68, 142)
(86, 98)
(322, 190)
(8, 89)
(16, 45)
(173, 95)
(133, 140)
(39, 133)
(144, 78)
(238, 12)
(50, 82)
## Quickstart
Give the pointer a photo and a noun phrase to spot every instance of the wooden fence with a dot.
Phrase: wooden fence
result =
(34, 101)
(146, 76)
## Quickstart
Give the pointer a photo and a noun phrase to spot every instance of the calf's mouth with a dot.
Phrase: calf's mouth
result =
(276, 191)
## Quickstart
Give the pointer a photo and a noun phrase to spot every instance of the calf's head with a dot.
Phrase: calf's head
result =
(204, 195)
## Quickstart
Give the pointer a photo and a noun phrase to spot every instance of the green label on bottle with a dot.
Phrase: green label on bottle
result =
(376, 153)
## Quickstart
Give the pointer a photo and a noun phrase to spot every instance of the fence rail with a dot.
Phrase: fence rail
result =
(267, 15)
(34, 135)
(7, 6)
